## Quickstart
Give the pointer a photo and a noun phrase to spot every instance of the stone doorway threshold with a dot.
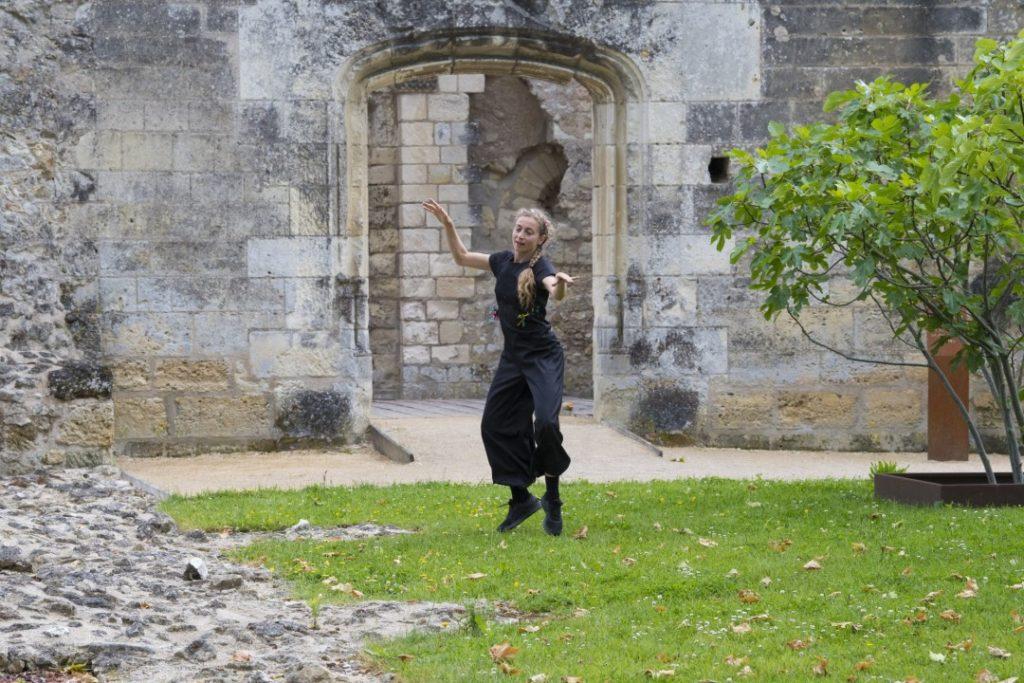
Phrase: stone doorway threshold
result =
(398, 428)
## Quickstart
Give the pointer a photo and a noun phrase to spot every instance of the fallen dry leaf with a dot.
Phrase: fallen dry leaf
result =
(918, 617)
(970, 589)
(1017, 586)
(797, 644)
(937, 657)
(986, 676)
(662, 673)
(707, 542)
(963, 645)
(907, 571)
(539, 678)
(733, 660)
(821, 668)
(507, 668)
(950, 615)
(502, 651)
(748, 596)
(745, 671)
(571, 679)
(812, 565)
(580, 534)
(998, 652)
(742, 627)
(475, 576)
(847, 625)
(732, 573)
(407, 658)
(629, 561)
(858, 548)
(863, 665)
(930, 598)
(532, 628)
(780, 546)
(766, 581)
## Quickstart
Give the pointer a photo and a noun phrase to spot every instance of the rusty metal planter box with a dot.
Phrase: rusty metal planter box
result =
(961, 488)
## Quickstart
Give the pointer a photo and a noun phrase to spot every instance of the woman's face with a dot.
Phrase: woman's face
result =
(526, 236)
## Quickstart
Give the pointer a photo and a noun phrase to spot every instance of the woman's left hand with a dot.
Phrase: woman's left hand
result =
(563, 277)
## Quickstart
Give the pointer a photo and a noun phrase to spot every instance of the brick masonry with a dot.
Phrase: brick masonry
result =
(188, 187)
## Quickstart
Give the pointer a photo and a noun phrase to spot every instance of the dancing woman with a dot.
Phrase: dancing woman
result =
(520, 423)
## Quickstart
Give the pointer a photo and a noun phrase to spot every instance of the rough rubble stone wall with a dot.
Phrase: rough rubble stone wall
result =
(195, 239)
(54, 393)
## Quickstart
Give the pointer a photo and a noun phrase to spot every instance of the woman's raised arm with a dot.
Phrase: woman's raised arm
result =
(462, 256)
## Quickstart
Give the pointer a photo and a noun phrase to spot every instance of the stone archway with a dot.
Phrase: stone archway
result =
(615, 87)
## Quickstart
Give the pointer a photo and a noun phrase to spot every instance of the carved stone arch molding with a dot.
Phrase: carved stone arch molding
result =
(619, 164)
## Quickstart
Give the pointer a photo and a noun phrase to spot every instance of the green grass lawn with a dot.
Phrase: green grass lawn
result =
(699, 577)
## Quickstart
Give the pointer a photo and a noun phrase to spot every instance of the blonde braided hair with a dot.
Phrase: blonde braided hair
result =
(526, 287)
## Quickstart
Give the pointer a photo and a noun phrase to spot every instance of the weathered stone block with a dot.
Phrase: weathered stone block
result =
(447, 107)
(222, 416)
(416, 287)
(415, 355)
(472, 83)
(711, 122)
(166, 115)
(439, 173)
(131, 375)
(191, 375)
(442, 310)
(415, 265)
(816, 409)
(420, 155)
(412, 107)
(412, 216)
(325, 415)
(421, 239)
(742, 410)
(456, 287)
(119, 115)
(139, 418)
(451, 331)
(458, 353)
(88, 425)
(899, 408)
(418, 133)
(419, 332)
(99, 150)
(667, 122)
(147, 334)
(412, 310)
(289, 257)
(80, 380)
(290, 354)
(444, 264)
(309, 206)
(454, 154)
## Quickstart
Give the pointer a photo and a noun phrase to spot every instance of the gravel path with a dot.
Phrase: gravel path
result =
(449, 449)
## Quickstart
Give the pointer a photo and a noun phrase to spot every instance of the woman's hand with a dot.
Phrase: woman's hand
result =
(438, 212)
(557, 285)
(563, 277)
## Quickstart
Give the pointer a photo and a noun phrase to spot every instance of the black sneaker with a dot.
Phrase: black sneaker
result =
(519, 512)
(552, 516)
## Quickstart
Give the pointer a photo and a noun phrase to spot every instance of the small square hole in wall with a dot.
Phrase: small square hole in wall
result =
(718, 169)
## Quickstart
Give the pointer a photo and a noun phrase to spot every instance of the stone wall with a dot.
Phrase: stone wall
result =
(54, 390)
(780, 391)
(187, 213)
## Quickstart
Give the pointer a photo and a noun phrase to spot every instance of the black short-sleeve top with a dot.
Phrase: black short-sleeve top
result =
(510, 313)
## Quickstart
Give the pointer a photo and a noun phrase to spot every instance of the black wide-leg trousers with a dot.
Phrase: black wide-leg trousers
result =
(521, 447)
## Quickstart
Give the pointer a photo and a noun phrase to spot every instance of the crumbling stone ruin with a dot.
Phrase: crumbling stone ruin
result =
(211, 238)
